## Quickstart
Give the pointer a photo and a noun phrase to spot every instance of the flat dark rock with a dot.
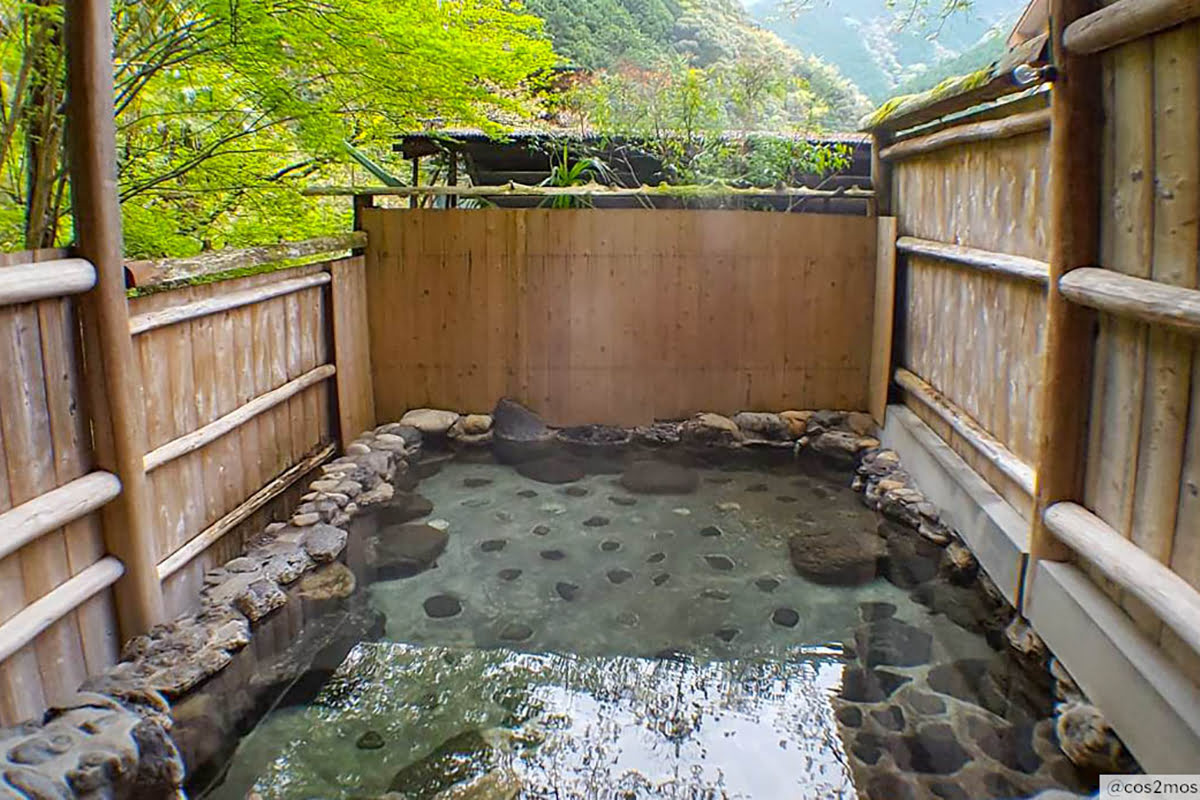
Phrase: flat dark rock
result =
(757, 487)
(767, 585)
(836, 558)
(510, 574)
(493, 545)
(527, 493)
(402, 551)
(850, 716)
(890, 642)
(540, 530)
(400, 509)
(516, 632)
(660, 578)
(727, 634)
(475, 483)
(553, 555)
(719, 562)
(656, 558)
(619, 576)
(455, 761)
(610, 546)
(567, 591)
(869, 612)
(552, 470)
(932, 750)
(659, 477)
(621, 500)
(870, 685)
(441, 606)
(596, 522)
(715, 594)
(785, 617)
(575, 491)
(711, 531)
(890, 718)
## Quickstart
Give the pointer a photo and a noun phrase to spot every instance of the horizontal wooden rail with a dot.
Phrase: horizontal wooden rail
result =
(24, 626)
(176, 448)
(156, 273)
(1125, 21)
(215, 532)
(1001, 263)
(48, 512)
(987, 130)
(989, 447)
(25, 283)
(214, 305)
(1171, 598)
(584, 190)
(1127, 296)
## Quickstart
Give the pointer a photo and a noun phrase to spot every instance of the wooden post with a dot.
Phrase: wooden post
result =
(1074, 242)
(416, 181)
(881, 174)
(452, 178)
(113, 383)
(361, 203)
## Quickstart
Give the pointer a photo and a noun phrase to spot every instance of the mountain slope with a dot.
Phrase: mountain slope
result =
(600, 34)
(870, 44)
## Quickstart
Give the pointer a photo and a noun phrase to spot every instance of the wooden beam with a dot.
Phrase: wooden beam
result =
(1126, 296)
(1125, 21)
(214, 430)
(988, 446)
(584, 190)
(1074, 238)
(111, 373)
(1029, 269)
(25, 283)
(1172, 599)
(170, 270)
(24, 626)
(48, 512)
(987, 130)
(884, 320)
(881, 174)
(215, 532)
(214, 305)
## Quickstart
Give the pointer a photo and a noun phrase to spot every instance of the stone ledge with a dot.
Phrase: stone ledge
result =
(991, 527)
(1149, 702)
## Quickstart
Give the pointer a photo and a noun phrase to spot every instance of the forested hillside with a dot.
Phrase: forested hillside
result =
(705, 34)
(885, 48)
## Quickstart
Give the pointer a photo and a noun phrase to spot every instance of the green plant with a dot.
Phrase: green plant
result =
(564, 174)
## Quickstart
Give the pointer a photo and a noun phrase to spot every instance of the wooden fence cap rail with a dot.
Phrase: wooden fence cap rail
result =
(983, 131)
(958, 94)
(586, 190)
(1125, 21)
(1124, 295)
(25, 283)
(169, 271)
(151, 320)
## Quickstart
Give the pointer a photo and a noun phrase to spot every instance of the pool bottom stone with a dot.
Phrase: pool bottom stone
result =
(905, 702)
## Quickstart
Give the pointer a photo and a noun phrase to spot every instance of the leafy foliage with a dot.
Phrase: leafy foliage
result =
(224, 108)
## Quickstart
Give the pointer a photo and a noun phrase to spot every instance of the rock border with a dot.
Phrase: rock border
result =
(112, 738)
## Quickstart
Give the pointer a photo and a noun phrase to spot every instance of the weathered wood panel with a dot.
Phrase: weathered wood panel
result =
(619, 316)
(355, 394)
(44, 444)
(1143, 466)
(976, 336)
(201, 369)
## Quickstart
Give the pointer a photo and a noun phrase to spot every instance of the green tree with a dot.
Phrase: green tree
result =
(224, 107)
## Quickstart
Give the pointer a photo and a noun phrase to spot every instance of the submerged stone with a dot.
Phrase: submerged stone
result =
(619, 576)
(370, 740)
(891, 642)
(869, 612)
(596, 522)
(719, 562)
(785, 617)
(567, 591)
(767, 585)
(553, 555)
(405, 550)
(836, 557)
(516, 632)
(493, 545)
(711, 531)
(659, 477)
(456, 760)
(932, 750)
(475, 483)
(727, 634)
(443, 606)
(510, 574)
(552, 470)
(870, 685)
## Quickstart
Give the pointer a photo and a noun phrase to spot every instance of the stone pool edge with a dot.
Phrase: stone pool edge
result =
(113, 737)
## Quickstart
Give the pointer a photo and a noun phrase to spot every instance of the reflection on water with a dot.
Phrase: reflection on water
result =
(564, 726)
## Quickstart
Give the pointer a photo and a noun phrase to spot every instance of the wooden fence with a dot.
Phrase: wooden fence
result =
(1048, 305)
(237, 383)
(619, 316)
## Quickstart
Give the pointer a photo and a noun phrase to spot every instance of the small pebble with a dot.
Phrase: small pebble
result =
(439, 524)
(553, 508)
(683, 512)
(729, 506)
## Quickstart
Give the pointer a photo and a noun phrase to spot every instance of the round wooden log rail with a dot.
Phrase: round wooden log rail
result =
(988, 446)
(215, 532)
(213, 305)
(1125, 21)
(1000, 263)
(1124, 295)
(176, 448)
(25, 283)
(987, 130)
(1171, 598)
(48, 512)
(24, 626)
